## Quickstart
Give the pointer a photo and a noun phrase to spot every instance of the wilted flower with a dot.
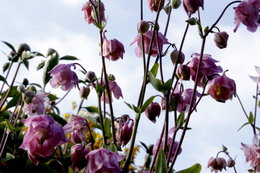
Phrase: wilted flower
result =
(208, 68)
(158, 42)
(84, 92)
(169, 142)
(78, 156)
(154, 4)
(252, 153)
(103, 160)
(191, 6)
(115, 89)
(77, 128)
(125, 129)
(90, 14)
(221, 39)
(38, 104)
(153, 111)
(247, 13)
(42, 135)
(256, 78)
(112, 49)
(63, 76)
(222, 88)
(217, 164)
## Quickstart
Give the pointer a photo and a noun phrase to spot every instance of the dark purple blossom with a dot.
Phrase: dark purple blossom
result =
(153, 111)
(125, 128)
(78, 154)
(191, 6)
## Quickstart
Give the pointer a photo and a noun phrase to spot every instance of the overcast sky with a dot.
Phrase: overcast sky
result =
(59, 24)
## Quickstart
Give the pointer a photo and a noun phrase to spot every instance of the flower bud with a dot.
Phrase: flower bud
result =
(25, 82)
(13, 56)
(28, 96)
(154, 4)
(221, 39)
(183, 72)
(111, 77)
(153, 111)
(125, 129)
(143, 26)
(91, 76)
(175, 4)
(84, 92)
(51, 51)
(231, 163)
(23, 47)
(174, 57)
(191, 6)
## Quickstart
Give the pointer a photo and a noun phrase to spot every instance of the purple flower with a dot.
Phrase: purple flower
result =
(247, 13)
(256, 78)
(154, 4)
(103, 160)
(124, 130)
(217, 164)
(38, 104)
(42, 135)
(252, 153)
(89, 12)
(185, 100)
(208, 68)
(222, 88)
(191, 6)
(78, 154)
(63, 76)
(77, 128)
(158, 42)
(112, 49)
(114, 88)
(153, 111)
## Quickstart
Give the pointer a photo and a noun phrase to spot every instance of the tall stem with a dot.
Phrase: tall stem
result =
(6, 76)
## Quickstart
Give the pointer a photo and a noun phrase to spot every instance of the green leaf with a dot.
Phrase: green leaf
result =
(68, 57)
(52, 97)
(26, 63)
(180, 119)
(50, 63)
(161, 163)
(147, 103)
(6, 66)
(193, 169)
(154, 69)
(2, 78)
(13, 101)
(92, 109)
(40, 65)
(99, 89)
(251, 118)
(8, 156)
(145, 146)
(136, 109)
(35, 53)
(168, 85)
(107, 128)
(112, 147)
(192, 21)
(36, 84)
(9, 45)
(156, 83)
(59, 119)
(9, 126)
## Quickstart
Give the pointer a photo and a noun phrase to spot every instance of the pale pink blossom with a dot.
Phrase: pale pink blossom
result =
(114, 88)
(89, 12)
(256, 78)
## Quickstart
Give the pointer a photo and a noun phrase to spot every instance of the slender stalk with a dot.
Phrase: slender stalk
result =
(256, 100)
(101, 121)
(6, 76)
(63, 97)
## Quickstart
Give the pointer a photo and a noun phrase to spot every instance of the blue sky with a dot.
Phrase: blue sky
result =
(60, 24)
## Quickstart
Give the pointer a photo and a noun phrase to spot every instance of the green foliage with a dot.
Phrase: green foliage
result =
(50, 63)
(161, 163)
(193, 169)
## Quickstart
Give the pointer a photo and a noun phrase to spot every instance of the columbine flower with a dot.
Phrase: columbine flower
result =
(208, 68)
(112, 49)
(115, 89)
(191, 6)
(42, 135)
(103, 160)
(154, 4)
(153, 111)
(125, 129)
(169, 141)
(158, 42)
(247, 13)
(217, 164)
(38, 104)
(252, 153)
(256, 78)
(63, 76)
(221, 39)
(77, 128)
(185, 100)
(183, 72)
(78, 154)
(222, 88)
(90, 14)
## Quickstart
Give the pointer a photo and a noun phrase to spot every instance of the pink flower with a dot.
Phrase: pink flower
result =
(113, 49)
(125, 129)
(252, 153)
(247, 13)
(103, 160)
(217, 164)
(191, 6)
(208, 68)
(153, 111)
(158, 42)
(154, 4)
(255, 3)
(63, 76)
(77, 128)
(115, 89)
(222, 88)
(185, 100)
(256, 78)
(89, 12)
(78, 154)
(38, 104)
(42, 135)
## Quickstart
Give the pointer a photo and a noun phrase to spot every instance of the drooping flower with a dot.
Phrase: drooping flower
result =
(222, 88)
(191, 6)
(112, 49)
(42, 135)
(208, 70)
(221, 39)
(78, 154)
(77, 127)
(115, 89)
(247, 13)
(217, 164)
(158, 42)
(90, 12)
(183, 72)
(63, 76)
(154, 4)
(38, 104)
(125, 129)
(153, 111)
(256, 78)
(255, 3)
(252, 153)
(103, 160)
(185, 100)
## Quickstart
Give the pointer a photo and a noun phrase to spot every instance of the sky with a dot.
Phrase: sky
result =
(59, 24)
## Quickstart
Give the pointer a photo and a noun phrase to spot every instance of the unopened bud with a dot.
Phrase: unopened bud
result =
(28, 96)
(32, 88)
(221, 39)
(50, 51)
(111, 77)
(13, 56)
(84, 92)
(231, 163)
(23, 47)
(175, 4)
(91, 76)
(174, 57)
(143, 26)
(25, 82)
(183, 72)
(153, 111)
